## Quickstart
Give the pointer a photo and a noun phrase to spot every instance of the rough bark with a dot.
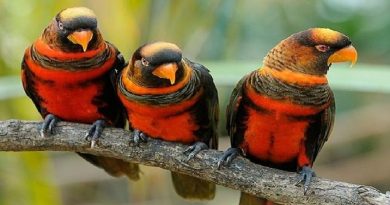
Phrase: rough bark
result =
(276, 185)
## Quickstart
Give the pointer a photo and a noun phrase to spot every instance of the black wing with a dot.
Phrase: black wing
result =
(232, 112)
(118, 66)
(118, 112)
(319, 131)
(28, 83)
(210, 97)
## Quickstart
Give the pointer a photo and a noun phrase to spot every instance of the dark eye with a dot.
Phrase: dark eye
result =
(144, 62)
(322, 48)
(60, 25)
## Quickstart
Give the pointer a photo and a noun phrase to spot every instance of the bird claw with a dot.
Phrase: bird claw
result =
(87, 137)
(138, 137)
(194, 149)
(42, 133)
(48, 125)
(95, 132)
(93, 143)
(306, 174)
(228, 156)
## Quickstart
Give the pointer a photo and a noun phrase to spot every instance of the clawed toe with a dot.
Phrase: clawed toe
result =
(306, 174)
(138, 137)
(95, 132)
(48, 125)
(228, 156)
(194, 149)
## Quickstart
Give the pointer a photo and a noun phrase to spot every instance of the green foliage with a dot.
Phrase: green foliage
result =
(26, 180)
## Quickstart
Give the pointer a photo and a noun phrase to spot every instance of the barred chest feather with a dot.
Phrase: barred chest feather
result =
(279, 115)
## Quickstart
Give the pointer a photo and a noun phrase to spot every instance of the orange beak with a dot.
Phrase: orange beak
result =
(81, 38)
(344, 55)
(166, 71)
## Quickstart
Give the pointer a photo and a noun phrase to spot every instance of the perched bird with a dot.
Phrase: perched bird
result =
(169, 97)
(67, 74)
(282, 114)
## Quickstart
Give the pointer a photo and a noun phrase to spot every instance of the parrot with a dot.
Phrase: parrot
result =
(171, 98)
(68, 73)
(281, 114)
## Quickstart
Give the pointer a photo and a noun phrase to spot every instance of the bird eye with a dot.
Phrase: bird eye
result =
(60, 25)
(322, 48)
(144, 62)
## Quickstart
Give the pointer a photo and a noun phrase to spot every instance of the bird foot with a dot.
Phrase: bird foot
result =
(95, 132)
(138, 137)
(228, 156)
(306, 174)
(194, 149)
(48, 124)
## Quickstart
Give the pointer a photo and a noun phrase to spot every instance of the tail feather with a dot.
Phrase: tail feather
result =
(247, 199)
(114, 167)
(190, 187)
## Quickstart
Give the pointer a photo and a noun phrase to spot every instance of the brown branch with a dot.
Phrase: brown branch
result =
(243, 175)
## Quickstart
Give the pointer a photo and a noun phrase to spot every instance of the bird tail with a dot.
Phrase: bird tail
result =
(114, 167)
(190, 187)
(247, 199)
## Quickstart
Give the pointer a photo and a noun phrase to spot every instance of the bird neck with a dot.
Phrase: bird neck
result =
(293, 77)
(290, 86)
(43, 47)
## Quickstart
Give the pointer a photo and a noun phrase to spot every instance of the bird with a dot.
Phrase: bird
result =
(171, 98)
(68, 72)
(281, 114)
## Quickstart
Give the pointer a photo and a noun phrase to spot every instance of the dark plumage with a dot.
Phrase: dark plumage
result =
(171, 98)
(67, 74)
(281, 115)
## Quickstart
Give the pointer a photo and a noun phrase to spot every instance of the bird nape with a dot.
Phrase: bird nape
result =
(282, 114)
(171, 98)
(67, 74)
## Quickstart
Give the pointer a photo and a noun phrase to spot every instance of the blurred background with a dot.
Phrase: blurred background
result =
(230, 37)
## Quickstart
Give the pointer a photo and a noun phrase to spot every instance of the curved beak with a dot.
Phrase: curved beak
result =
(166, 71)
(81, 38)
(348, 53)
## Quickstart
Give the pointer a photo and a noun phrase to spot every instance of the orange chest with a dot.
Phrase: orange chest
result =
(174, 122)
(71, 102)
(273, 137)
(276, 134)
(69, 94)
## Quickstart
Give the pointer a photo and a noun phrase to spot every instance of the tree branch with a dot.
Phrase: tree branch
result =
(276, 185)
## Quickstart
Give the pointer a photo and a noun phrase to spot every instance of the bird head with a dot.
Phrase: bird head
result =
(74, 29)
(311, 51)
(157, 64)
